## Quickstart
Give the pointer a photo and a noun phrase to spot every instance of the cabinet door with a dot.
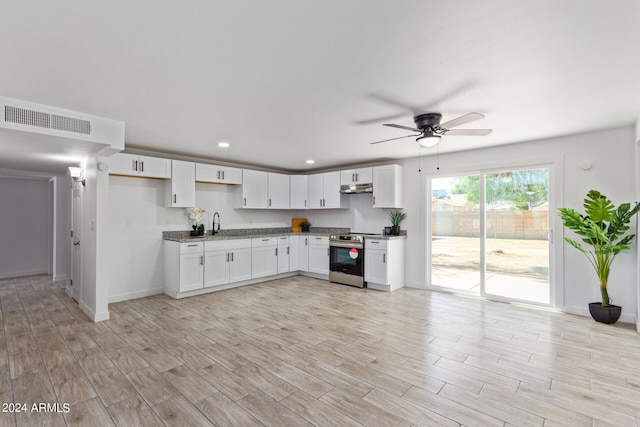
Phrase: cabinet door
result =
(303, 253)
(298, 186)
(123, 164)
(182, 185)
(347, 177)
(229, 175)
(284, 257)
(154, 167)
(207, 173)
(294, 253)
(364, 175)
(278, 191)
(375, 266)
(387, 187)
(319, 259)
(331, 190)
(264, 261)
(216, 268)
(254, 189)
(191, 271)
(239, 265)
(316, 190)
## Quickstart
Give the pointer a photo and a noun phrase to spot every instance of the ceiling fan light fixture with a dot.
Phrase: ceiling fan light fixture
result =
(428, 140)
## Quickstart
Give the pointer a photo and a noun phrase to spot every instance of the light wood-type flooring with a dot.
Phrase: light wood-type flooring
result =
(302, 352)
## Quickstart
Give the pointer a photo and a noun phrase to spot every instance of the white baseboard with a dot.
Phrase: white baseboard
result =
(60, 277)
(133, 295)
(96, 317)
(412, 284)
(11, 275)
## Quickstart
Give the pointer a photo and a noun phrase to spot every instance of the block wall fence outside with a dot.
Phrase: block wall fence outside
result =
(532, 225)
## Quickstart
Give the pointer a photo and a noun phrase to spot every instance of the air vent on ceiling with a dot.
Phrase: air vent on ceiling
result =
(42, 119)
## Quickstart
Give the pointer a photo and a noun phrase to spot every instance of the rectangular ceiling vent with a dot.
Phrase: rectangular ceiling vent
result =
(45, 120)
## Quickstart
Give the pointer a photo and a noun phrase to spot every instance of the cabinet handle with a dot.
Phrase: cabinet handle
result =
(287, 250)
(223, 175)
(192, 246)
(269, 202)
(245, 201)
(353, 177)
(384, 258)
(218, 174)
(276, 251)
(231, 256)
(374, 200)
(328, 251)
(374, 242)
(356, 177)
(306, 241)
(135, 165)
(175, 198)
(227, 257)
(141, 166)
(265, 240)
(201, 260)
(305, 203)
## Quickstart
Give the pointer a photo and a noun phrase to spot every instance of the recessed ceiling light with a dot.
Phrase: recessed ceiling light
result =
(223, 144)
(310, 162)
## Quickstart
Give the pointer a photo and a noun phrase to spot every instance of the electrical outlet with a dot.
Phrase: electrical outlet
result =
(129, 223)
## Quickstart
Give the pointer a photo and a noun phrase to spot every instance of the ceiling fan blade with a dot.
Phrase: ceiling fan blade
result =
(401, 127)
(461, 120)
(392, 139)
(472, 132)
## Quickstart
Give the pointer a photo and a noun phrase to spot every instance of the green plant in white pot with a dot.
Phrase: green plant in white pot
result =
(603, 229)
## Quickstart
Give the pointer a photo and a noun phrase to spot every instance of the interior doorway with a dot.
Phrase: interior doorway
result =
(490, 234)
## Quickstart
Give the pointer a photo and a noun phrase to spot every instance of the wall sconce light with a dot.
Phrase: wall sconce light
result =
(76, 174)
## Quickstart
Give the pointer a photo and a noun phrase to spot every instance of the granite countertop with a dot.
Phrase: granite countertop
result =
(249, 233)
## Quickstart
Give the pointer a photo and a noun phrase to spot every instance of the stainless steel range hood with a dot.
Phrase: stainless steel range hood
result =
(356, 188)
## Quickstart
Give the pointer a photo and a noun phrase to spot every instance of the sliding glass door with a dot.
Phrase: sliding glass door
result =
(490, 234)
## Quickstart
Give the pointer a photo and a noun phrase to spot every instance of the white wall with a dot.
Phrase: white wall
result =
(612, 155)
(25, 233)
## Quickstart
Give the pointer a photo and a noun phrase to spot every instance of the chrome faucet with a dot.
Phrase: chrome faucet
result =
(214, 230)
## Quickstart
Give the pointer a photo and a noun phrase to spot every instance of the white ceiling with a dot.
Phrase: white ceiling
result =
(288, 80)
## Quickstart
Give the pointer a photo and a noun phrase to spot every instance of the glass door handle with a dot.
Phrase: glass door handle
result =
(550, 235)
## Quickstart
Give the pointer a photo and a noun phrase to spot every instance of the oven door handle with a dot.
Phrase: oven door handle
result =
(346, 245)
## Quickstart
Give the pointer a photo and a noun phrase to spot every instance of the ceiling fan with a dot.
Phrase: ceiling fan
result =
(430, 130)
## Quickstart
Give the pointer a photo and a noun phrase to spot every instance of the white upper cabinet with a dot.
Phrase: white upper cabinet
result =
(388, 187)
(218, 174)
(298, 187)
(255, 189)
(135, 165)
(278, 191)
(263, 190)
(180, 190)
(356, 176)
(324, 190)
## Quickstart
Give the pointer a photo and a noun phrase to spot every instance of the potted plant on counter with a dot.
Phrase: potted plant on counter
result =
(603, 230)
(196, 215)
(305, 226)
(396, 218)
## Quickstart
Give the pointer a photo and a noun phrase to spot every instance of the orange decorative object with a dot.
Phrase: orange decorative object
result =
(295, 224)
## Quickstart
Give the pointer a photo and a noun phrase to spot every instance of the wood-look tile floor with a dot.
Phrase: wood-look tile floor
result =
(301, 352)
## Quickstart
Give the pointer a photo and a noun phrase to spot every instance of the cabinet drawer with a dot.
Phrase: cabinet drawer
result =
(264, 241)
(227, 245)
(190, 248)
(283, 240)
(375, 244)
(318, 240)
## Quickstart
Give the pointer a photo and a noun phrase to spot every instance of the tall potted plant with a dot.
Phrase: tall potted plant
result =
(396, 218)
(603, 230)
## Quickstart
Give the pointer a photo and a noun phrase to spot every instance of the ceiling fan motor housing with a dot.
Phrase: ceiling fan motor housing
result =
(426, 121)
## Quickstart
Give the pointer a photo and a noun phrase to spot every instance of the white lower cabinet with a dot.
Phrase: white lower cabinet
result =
(284, 254)
(226, 261)
(384, 264)
(319, 255)
(184, 267)
(299, 253)
(264, 258)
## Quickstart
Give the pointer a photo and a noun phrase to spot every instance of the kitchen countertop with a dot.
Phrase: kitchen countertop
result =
(249, 233)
